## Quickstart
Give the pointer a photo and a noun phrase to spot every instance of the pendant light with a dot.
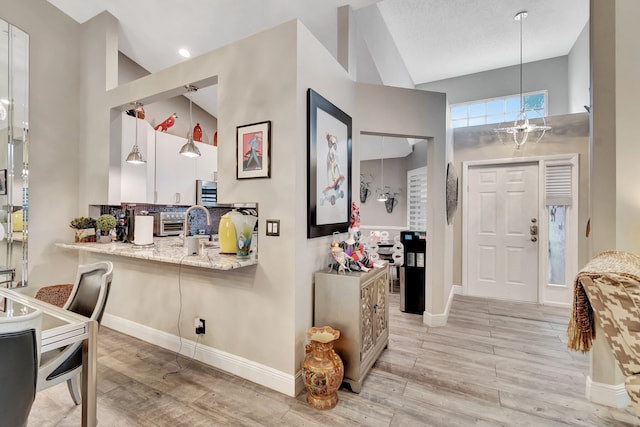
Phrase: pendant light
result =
(382, 196)
(522, 127)
(135, 157)
(189, 149)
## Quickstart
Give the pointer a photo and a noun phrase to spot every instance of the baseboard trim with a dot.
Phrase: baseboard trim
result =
(606, 394)
(284, 383)
(436, 320)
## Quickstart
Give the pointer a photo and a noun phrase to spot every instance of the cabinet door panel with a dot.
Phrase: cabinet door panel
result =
(380, 309)
(136, 181)
(207, 163)
(366, 319)
(175, 174)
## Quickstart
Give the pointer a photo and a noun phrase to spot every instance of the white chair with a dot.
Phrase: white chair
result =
(384, 235)
(20, 344)
(88, 298)
(398, 247)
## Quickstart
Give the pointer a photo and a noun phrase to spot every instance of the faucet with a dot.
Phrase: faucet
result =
(185, 227)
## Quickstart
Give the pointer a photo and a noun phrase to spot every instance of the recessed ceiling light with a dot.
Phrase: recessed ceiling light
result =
(184, 52)
(4, 101)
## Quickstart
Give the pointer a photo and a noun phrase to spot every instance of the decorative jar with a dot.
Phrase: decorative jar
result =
(227, 234)
(197, 133)
(244, 225)
(322, 368)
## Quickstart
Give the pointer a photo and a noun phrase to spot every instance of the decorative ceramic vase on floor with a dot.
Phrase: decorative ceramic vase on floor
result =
(244, 225)
(322, 368)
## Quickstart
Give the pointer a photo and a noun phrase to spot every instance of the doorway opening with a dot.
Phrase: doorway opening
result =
(520, 237)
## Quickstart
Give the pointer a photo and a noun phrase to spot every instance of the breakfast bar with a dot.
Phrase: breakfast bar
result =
(169, 250)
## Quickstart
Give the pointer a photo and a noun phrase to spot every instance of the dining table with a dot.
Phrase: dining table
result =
(61, 328)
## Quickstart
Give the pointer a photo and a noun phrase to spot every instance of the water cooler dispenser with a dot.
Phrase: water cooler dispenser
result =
(412, 275)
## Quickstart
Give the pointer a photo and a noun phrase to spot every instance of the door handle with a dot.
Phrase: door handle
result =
(533, 232)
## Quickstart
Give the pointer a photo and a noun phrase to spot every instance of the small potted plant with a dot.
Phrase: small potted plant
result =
(85, 229)
(105, 224)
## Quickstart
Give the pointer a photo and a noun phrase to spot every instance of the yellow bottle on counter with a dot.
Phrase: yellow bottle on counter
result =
(227, 234)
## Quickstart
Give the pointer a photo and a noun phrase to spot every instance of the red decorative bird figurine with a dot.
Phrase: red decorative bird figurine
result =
(170, 121)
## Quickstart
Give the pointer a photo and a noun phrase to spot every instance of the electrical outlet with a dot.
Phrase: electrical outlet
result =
(199, 325)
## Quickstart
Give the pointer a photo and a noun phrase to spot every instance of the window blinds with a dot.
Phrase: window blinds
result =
(417, 199)
(558, 186)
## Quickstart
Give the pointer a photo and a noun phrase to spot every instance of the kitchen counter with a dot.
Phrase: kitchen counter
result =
(170, 250)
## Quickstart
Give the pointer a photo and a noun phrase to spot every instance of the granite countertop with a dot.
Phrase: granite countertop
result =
(168, 249)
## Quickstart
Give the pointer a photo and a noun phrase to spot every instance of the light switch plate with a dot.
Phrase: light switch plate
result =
(273, 227)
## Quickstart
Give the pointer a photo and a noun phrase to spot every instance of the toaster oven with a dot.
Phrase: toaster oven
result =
(168, 223)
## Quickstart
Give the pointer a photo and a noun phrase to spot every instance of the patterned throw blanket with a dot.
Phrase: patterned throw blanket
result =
(613, 273)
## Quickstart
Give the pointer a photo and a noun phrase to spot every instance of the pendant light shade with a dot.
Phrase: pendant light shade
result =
(135, 157)
(522, 127)
(189, 149)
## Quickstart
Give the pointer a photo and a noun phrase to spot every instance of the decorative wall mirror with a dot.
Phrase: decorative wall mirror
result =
(14, 160)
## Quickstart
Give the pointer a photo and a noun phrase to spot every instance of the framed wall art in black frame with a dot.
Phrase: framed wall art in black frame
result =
(328, 167)
(253, 151)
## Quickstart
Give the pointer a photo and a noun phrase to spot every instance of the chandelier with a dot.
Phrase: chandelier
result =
(522, 127)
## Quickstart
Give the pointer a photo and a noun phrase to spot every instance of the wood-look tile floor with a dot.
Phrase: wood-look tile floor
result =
(495, 363)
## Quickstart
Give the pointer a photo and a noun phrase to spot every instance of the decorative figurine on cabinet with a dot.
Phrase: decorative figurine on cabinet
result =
(165, 125)
(350, 254)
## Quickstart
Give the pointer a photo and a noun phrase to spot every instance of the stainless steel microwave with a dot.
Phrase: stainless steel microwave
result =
(206, 193)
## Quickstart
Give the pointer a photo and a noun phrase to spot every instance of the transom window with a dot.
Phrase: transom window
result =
(498, 110)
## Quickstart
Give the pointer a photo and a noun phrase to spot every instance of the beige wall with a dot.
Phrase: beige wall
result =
(54, 135)
(373, 213)
(569, 134)
(258, 314)
(615, 193)
(383, 110)
(249, 312)
(156, 112)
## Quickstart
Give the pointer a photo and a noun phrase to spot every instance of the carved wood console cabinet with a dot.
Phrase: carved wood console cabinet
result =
(355, 303)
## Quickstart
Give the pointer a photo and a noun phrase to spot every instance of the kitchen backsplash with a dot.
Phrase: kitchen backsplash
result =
(198, 219)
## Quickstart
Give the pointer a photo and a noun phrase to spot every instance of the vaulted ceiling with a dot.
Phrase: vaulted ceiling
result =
(434, 39)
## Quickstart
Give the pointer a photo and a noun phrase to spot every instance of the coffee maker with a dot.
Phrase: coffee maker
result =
(125, 226)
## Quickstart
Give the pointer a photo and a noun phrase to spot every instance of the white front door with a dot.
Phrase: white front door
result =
(502, 258)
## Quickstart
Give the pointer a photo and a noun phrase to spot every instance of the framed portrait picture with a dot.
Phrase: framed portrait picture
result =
(3, 181)
(328, 167)
(253, 156)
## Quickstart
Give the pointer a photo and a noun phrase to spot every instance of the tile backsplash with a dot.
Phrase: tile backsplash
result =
(198, 219)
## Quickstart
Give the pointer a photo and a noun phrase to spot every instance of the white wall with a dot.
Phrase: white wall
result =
(54, 136)
(550, 74)
(579, 95)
